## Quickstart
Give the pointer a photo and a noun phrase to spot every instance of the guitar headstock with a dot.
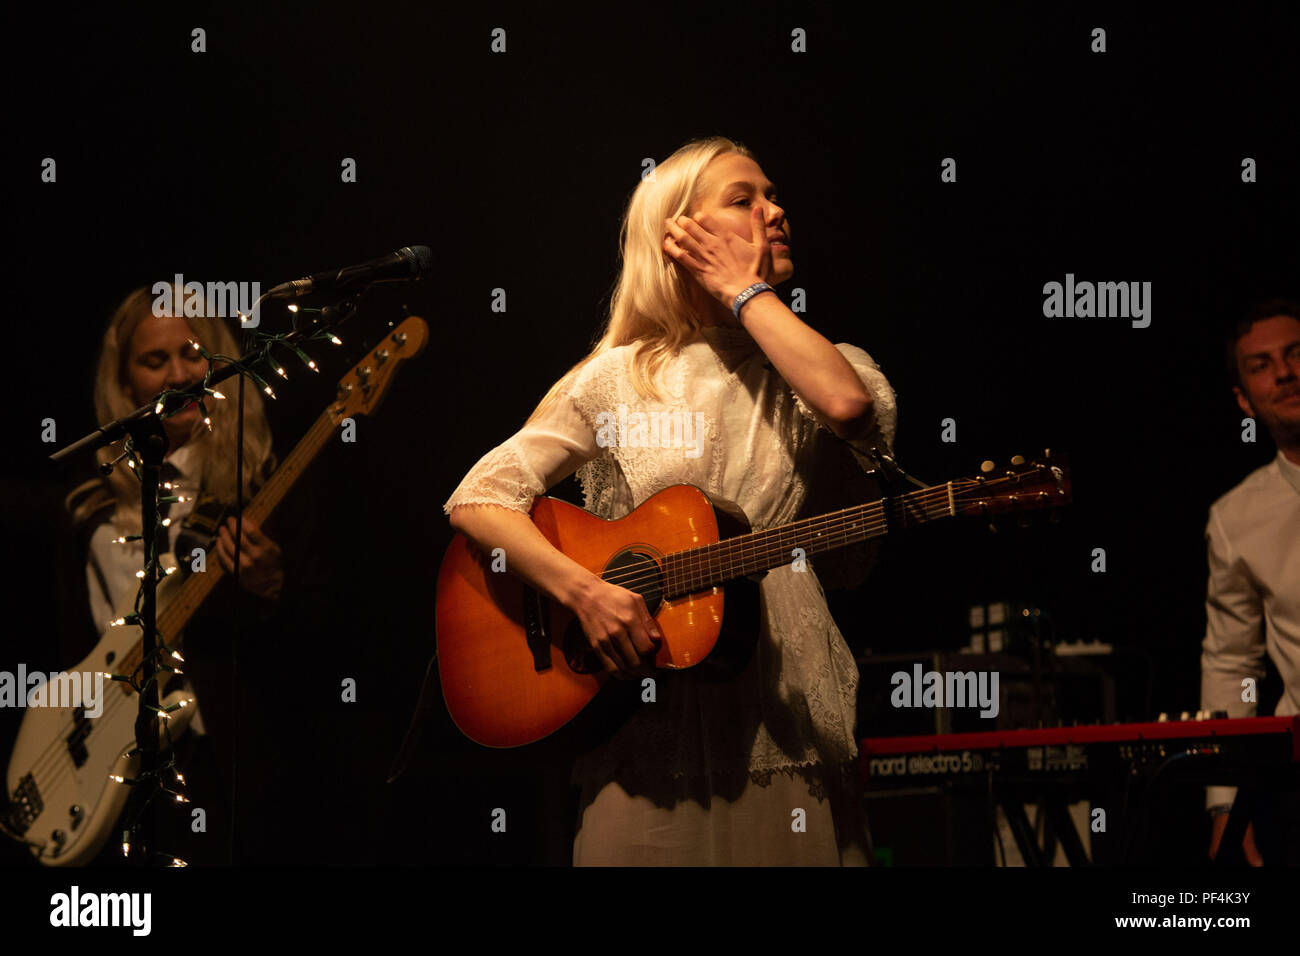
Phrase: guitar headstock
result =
(1021, 486)
(362, 389)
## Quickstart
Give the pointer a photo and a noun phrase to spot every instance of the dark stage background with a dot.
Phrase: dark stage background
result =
(515, 167)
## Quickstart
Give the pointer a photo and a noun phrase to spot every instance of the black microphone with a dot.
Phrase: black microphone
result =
(405, 262)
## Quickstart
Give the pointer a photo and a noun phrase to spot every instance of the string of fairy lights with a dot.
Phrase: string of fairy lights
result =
(166, 779)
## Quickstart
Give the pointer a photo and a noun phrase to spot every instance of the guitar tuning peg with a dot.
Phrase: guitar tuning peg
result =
(1047, 453)
(1018, 459)
(987, 466)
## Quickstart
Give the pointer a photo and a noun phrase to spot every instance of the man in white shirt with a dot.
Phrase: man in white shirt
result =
(1253, 598)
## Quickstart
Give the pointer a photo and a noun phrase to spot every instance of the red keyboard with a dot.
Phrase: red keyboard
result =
(1062, 749)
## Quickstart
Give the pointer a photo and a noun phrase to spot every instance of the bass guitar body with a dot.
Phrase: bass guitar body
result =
(61, 796)
(516, 666)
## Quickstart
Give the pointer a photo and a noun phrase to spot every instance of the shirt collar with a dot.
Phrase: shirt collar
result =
(1290, 471)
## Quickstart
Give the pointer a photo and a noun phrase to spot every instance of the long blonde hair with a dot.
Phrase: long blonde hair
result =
(652, 300)
(216, 459)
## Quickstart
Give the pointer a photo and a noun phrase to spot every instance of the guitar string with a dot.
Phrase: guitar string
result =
(712, 558)
(697, 559)
(719, 556)
(705, 558)
(693, 564)
(704, 562)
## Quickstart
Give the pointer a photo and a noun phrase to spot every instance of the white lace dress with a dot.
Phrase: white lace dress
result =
(760, 769)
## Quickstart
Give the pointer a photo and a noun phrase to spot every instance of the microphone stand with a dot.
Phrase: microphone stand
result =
(148, 435)
(145, 429)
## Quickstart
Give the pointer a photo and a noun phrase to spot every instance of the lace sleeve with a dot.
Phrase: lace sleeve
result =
(535, 458)
(882, 431)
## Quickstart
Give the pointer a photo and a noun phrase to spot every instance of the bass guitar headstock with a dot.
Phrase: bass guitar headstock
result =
(361, 390)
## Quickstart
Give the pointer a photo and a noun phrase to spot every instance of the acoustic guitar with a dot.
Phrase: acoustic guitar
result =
(516, 666)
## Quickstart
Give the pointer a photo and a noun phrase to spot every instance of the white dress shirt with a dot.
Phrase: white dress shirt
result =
(1252, 603)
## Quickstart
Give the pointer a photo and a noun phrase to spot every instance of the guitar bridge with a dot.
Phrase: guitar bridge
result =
(25, 806)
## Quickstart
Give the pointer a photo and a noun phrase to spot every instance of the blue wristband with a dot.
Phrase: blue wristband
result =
(748, 294)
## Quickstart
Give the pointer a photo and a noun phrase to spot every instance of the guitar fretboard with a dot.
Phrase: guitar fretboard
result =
(698, 569)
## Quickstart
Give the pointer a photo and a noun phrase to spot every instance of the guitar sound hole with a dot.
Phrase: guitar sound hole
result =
(636, 570)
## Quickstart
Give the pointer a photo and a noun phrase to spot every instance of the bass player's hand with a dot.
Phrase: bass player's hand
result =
(261, 562)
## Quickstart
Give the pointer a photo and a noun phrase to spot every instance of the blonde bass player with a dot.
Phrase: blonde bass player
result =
(146, 350)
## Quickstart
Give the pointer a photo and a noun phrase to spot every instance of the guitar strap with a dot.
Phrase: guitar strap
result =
(891, 469)
(199, 529)
(894, 476)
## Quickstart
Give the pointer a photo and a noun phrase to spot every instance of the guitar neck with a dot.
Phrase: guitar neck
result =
(191, 595)
(699, 569)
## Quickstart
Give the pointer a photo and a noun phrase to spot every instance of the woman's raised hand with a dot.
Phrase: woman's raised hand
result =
(724, 263)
